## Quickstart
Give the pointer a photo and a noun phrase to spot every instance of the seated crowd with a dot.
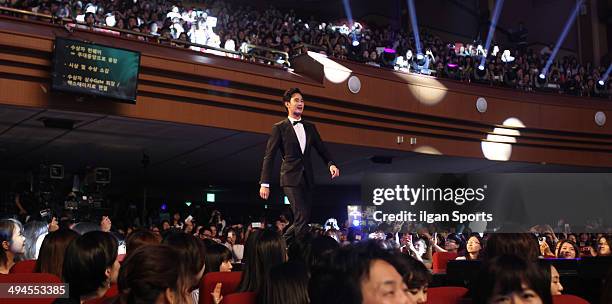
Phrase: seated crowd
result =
(167, 263)
(236, 25)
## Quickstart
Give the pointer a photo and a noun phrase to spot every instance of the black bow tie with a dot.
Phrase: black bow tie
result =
(297, 122)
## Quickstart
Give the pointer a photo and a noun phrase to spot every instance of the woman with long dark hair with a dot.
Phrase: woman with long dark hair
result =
(567, 250)
(52, 251)
(32, 231)
(267, 249)
(603, 245)
(90, 266)
(191, 252)
(286, 283)
(473, 248)
(152, 274)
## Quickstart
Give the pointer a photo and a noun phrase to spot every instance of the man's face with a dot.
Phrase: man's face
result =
(384, 285)
(451, 245)
(213, 230)
(295, 106)
(231, 237)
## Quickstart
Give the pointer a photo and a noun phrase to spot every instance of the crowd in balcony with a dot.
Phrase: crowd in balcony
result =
(224, 25)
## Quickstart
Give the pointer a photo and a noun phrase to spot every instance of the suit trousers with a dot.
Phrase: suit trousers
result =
(300, 198)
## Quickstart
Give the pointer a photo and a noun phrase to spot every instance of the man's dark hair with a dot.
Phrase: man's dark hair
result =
(413, 271)
(216, 254)
(287, 95)
(336, 278)
(508, 273)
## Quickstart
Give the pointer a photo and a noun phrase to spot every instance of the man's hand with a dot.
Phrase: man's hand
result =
(335, 172)
(264, 192)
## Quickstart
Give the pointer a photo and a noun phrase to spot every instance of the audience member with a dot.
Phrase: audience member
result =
(139, 238)
(510, 279)
(519, 244)
(90, 266)
(53, 250)
(153, 274)
(361, 273)
(474, 248)
(191, 253)
(33, 231)
(416, 277)
(567, 250)
(603, 246)
(269, 249)
(218, 258)
(285, 283)
(13, 243)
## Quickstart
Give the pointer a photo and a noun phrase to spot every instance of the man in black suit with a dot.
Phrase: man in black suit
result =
(295, 138)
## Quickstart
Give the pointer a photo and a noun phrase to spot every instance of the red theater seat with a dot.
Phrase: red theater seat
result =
(569, 299)
(447, 295)
(240, 298)
(29, 278)
(229, 283)
(26, 266)
(440, 259)
(108, 297)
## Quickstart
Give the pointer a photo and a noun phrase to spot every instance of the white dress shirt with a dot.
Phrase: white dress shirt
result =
(300, 132)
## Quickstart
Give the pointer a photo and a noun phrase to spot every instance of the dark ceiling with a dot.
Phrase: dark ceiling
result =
(188, 154)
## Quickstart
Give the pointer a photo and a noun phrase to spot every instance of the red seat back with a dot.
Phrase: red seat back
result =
(229, 283)
(440, 259)
(240, 298)
(447, 295)
(110, 294)
(29, 278)
(569, 299)
(26, 266)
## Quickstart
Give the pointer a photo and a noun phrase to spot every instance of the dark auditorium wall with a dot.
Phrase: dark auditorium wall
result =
(544, 19)
(455, 18)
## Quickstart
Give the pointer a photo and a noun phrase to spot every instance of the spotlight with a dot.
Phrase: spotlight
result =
(566, 28)
(480, 72)
(355, 43)
(600, 86)
(541, 79)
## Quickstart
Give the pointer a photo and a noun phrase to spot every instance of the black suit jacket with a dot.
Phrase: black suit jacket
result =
(294, 164)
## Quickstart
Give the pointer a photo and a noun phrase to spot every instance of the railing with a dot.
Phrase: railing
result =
(246, 52)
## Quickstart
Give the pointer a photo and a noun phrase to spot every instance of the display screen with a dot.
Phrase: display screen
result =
(94, 69)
